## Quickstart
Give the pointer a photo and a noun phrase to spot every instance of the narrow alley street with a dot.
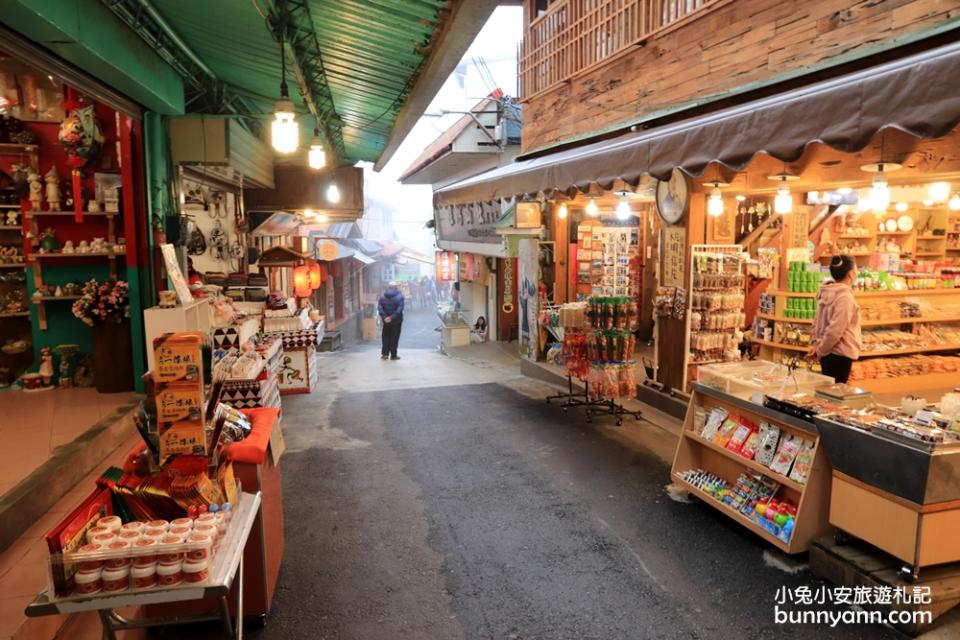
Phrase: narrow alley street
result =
(434, 498)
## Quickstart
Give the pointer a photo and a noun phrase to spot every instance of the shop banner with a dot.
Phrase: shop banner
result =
(446, 262)
(529, 276)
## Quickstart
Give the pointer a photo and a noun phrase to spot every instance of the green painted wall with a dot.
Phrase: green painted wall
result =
(86, 34)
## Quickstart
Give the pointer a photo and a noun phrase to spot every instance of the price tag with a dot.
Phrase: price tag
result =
(925, 417)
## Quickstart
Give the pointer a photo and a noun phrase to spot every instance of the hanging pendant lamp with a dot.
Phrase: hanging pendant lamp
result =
(284, 130)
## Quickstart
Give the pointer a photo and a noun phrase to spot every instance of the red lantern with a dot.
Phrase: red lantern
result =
(316, 277)
(301, 281)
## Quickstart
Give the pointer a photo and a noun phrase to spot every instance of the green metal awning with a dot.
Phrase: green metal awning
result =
(360, 60)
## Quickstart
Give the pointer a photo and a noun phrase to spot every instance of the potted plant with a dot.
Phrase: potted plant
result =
(105, 306)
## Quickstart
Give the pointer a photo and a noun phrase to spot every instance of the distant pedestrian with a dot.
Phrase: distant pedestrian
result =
(390, 308)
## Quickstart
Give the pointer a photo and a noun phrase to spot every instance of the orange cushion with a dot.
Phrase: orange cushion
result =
(253, 448)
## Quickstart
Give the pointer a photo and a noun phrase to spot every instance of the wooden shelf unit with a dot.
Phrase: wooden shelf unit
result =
(14, 314)
(812, 499)
(37, 259)
(12, 265)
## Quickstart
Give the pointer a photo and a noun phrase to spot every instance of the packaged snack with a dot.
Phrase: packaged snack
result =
(144, 577)
(803, 463)
(749, 448)
(739, 437)
(116, 579)
(786, 453)
(714, 420)
(725, 432)
(769, 438)
(178, 356)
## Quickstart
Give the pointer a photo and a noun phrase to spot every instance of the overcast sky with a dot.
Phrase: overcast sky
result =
(496, 44)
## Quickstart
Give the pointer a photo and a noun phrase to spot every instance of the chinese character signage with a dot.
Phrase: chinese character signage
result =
(528, 215)
(446, 262)
(674, 251)
(468, 222)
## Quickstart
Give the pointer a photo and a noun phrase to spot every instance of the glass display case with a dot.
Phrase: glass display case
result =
(451, 314)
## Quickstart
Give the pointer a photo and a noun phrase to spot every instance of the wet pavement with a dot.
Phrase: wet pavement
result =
(426, 498)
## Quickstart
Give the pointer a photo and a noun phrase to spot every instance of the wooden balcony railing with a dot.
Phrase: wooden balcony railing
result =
(574, 35)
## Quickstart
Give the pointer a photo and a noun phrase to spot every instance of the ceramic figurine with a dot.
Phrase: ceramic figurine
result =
(168, 299)
(36, 190)
(93, 207)
(83, 247)
(19, 171)
(37, 296)
(65, 380)
(46, 366)
(48, 242)
(58, 292)
(68, 247)
(13, 218)
(98, 245)
(53, 189)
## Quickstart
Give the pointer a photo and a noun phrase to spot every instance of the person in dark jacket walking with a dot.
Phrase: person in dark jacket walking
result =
(390, 307)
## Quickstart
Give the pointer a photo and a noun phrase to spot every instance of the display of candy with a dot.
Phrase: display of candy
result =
(575, 354)
(611, 381)
(612, 312)
(714, 420)
(874, 368)
(803, 463)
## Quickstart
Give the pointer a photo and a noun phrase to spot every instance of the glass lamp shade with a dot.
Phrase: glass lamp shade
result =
(316, 157)
(284, 130)
(623, 209)
(592, 207)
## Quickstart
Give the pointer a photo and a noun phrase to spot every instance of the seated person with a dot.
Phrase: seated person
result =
(479, 331)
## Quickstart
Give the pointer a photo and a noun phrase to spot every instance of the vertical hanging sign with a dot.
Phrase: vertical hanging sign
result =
(674, 250)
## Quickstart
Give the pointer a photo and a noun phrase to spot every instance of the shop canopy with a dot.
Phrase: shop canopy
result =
(916, 94)
(362, 71)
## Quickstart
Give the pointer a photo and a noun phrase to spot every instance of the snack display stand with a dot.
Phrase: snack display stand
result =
(897, 493)
(698, 454)
(226, 569)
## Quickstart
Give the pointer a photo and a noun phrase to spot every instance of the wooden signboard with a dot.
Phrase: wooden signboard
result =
(674, 251)
(800, 228)
(528, 215)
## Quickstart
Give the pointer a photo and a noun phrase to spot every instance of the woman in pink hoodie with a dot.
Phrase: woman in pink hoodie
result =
(835, 340)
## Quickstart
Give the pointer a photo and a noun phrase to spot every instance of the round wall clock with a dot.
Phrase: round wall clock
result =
(673, 197)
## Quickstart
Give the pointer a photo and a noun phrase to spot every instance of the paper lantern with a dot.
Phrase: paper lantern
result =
(316, 276)
(301, 281)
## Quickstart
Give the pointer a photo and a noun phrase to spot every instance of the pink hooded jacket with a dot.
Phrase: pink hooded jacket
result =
(836, 327)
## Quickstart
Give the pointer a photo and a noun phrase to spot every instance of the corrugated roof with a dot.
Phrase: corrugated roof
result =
(372, 52)
(444, 143)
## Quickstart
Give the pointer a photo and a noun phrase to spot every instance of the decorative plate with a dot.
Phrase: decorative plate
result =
(905, 223)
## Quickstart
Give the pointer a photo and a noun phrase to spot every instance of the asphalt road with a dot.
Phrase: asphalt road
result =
(475, 512)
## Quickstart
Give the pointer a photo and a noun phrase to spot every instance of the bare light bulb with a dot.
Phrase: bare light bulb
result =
(321, 217)
(715, 203)
(592, 207)
(783, 203)
(901, 206)
(562, 211)
(879, 193)
(333, 193)
(939, 191)
(284, 130)
(954, 203)
(309, 214)
(928, 202)
(317, 157)
(623, 209)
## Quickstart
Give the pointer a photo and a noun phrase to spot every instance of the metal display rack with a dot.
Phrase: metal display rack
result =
(226, 569)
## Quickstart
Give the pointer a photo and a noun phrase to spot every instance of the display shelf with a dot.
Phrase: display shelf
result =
(12, 265)
(15, 314)
(920, 382)
(10, 227)
(868, 354)
(47, 256)
(866, 323)
(894, 233)
(750, 464)
(875, 294)
(14, 147)
(932, 237)
(928, 254)
(9, 206)
(855, 237)
(694, 452)
(102, 214)
(775, 318)
(58, 298)
(736, 515)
